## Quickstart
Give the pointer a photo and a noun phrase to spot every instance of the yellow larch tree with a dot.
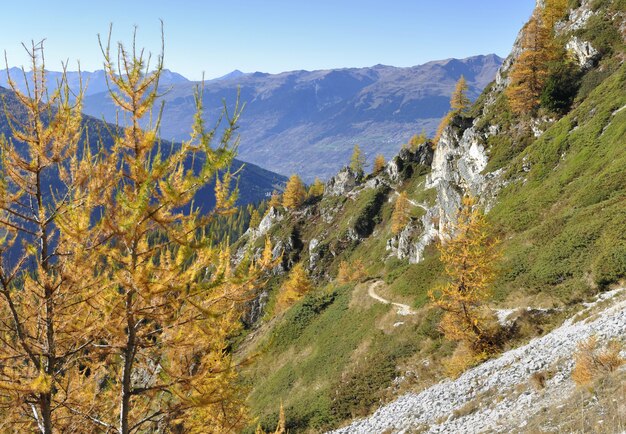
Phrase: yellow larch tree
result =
(294, 288)
(275, 200)
(468, 252)
(357, 161)
(460, 102)
(46, 319)
(401, 214)
(379, 163)
(530, 71)
(317, 188)
(171, 300)
(295, 193)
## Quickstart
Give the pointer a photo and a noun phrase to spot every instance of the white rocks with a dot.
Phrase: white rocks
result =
(583, 51)
(499, 377)
(341, 183)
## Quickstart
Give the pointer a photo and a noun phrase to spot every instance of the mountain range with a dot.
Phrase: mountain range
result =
(307, 122)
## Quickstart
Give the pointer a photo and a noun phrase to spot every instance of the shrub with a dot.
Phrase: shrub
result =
(593, 362)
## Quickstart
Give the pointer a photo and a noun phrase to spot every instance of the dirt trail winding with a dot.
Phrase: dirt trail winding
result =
(402, 309)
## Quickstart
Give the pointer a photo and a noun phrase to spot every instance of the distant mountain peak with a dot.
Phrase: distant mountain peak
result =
(233, 74)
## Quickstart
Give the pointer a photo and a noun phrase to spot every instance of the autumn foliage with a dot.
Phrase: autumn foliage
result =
(351, 271)
(401, 213)
(117, 313)
(294, 193)
(592, 361)
(379, 163)
(294, 288)
(468, 252)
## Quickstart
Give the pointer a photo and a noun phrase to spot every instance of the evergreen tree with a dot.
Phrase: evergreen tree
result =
(401, 213)
(295, 193)
(379, 163)
(357, 161)
(459, 102)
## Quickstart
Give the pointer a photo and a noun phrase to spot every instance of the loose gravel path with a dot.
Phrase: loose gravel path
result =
(403, 309)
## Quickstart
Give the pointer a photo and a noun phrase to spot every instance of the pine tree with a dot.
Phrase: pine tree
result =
(296, 286)
(459, 102)
(357, 161)
(469, 254)
(401, 213)
(379, 163)
(317, 188)
(295, 193)
(46, 276)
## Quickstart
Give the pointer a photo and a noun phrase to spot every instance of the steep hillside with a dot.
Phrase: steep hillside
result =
(308, 122)
(554, 186)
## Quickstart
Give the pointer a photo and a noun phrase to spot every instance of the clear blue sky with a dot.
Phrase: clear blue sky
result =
(217, 37)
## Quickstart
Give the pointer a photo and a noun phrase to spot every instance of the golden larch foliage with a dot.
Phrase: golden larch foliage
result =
(416, 140)
(445, 121)
(401, 214)
(530, 71)
(275, 200)
(294, 193)
(459, 102)
(317, 188)
(255, 219)
(296, 286)
(379, 163)
(468, 252)
(357, 161)
(349, 272)
(46, 273)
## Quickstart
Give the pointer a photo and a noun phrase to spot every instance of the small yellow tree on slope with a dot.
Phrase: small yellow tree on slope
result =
(296, 286)
(357, 161)
(295, 193)
(401, 213)
(468, 252)
(459, 101)
(379, 163)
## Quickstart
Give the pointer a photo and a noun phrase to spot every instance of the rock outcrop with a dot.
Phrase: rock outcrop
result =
(341, 183)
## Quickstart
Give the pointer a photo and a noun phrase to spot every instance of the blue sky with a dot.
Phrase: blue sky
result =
(266, 35)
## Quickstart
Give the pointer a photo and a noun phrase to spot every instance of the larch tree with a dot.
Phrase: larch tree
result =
(416, 140)
(171, 300)
(317, 188)
(401, 214)
(379, 163)
(530, 71)
(294, 193)
(255, 219)
(460, 102)
(46, 318)
(357, 161)
(294, 288)
(468, 252)
(275, 200)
